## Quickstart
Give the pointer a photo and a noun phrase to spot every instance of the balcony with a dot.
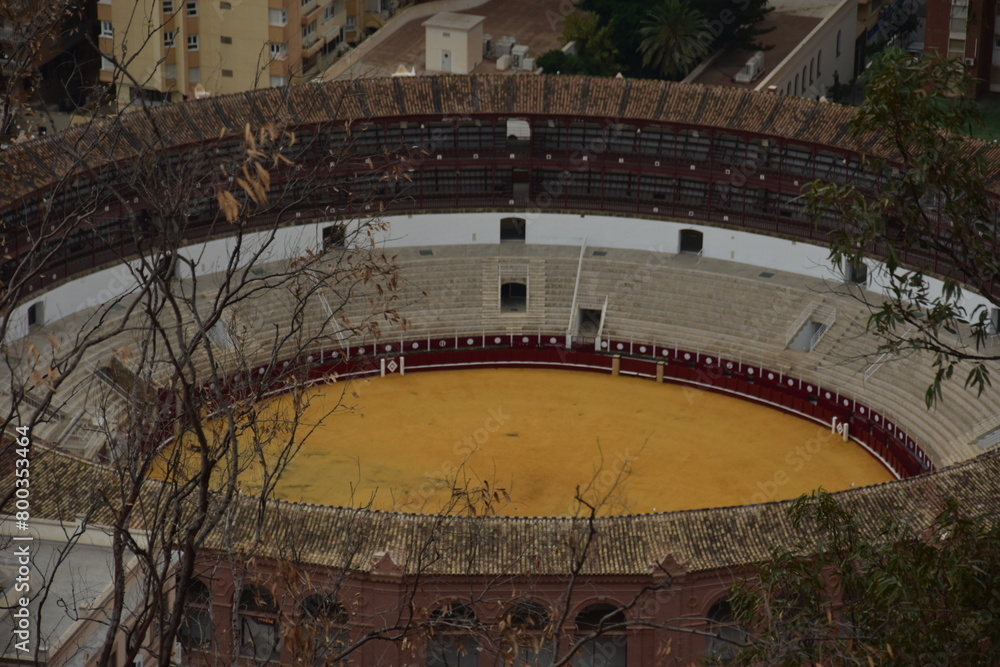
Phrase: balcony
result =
(309, 14)
(312, 46)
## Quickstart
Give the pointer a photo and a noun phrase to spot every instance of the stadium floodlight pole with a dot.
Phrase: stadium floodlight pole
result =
(576, 291)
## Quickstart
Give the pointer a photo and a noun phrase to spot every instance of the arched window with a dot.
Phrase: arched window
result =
(610, 647)
(324, 626)
(258, 616)
(195, 632)
(819, 63)
(518, 134)
(812, 70)
(838, 43)
(513, 298)
(529, 632)
(453, 642)
(727, 635)
(796, 84)
(692, 240)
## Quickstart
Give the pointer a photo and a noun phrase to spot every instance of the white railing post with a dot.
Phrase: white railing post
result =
(576, 289)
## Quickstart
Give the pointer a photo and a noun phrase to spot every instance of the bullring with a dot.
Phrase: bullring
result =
(670, 183)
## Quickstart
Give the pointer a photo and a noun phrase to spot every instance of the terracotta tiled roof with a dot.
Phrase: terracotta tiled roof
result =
(66, 488)
(36, 163)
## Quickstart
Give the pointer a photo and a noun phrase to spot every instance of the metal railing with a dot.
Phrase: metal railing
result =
(799, 322)
(883, 358)
(824, 326)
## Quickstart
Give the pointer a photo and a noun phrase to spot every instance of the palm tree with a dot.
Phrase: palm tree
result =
(675, 37)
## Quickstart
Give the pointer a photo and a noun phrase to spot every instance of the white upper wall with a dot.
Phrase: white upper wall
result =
(461, 229)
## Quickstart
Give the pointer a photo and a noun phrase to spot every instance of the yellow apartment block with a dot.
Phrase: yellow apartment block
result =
(166, 51)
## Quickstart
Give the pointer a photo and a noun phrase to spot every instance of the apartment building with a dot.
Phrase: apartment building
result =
(366, 16)
(165, 51)
(970, 31)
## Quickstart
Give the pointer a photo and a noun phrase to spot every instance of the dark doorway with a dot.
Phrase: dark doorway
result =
(589, 323)
(857, 272)
(513, 229)
(692, 240)
(513, 298)
(36, 314)
(333, 237)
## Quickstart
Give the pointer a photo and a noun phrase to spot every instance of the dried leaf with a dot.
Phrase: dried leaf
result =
(229, 206)
(249, 189)
(264, 176)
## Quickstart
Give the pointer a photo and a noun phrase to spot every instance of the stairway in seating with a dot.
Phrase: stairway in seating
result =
(527, 322)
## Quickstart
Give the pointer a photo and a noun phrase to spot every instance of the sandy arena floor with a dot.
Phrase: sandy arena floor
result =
(536, 436)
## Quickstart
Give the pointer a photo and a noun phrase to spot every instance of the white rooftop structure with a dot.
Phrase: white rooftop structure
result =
(454, 42)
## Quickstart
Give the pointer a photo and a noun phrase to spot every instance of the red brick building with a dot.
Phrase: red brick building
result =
(966, 29)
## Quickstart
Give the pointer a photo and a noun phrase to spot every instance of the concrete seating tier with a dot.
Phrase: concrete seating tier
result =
(681, 301)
